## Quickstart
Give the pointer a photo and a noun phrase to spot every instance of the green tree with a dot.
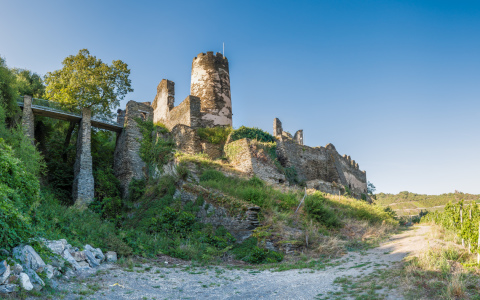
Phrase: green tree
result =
(85, 81)
(8, 92)
(29, 83)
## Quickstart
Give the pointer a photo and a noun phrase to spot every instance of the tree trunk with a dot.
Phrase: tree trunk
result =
(71, 127)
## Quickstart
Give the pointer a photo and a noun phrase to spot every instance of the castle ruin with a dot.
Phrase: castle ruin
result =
(209, 105)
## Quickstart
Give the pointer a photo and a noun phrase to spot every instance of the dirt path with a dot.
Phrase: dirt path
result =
(159, 282)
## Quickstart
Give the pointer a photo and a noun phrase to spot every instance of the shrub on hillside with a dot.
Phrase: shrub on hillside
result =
(215, 135)
(317, 210)
(252, 133)
(18, 194)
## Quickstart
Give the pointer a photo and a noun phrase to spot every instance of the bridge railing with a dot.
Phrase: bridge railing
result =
(51, 105)
(55, 106)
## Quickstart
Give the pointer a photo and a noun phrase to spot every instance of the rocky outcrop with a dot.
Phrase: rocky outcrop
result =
(32, 268)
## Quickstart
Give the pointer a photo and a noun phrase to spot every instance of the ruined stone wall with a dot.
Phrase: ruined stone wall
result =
(319, 165)
(187, 113)
(210, 82)
(186, 139)
(127, 162)
(164, 101)
(248, 156)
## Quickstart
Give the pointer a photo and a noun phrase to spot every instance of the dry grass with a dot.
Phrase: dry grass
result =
(444, 271)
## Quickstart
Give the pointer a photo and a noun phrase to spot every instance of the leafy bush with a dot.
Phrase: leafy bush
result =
(215, 135)
(317, 210)
(252, 133)
(249, 251)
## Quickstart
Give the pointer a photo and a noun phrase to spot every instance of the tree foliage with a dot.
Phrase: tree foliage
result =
(85, 81)
(8, 91)
(29, 83)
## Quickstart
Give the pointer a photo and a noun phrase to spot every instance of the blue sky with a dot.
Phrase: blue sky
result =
(393, 84)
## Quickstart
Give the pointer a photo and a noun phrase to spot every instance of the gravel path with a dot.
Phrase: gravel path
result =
(151, 281)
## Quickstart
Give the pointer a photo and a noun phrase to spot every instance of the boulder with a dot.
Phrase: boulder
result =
(83, 265)
(17, 269)
(4, 252)
(5, 274)
(25, 282)
(34, 278)
(68, 257)
(92, 261)
(56, 247)
(29, 258)
(3, 267)
(96, 251)
(49, 271)
(57, 262)
(111, 256)
(79, 256)
(8, 288)
(68, 273)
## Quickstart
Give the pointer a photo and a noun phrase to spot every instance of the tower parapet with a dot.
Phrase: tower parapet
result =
(210, 82)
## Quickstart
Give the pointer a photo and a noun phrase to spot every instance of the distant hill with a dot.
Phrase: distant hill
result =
(406, 203)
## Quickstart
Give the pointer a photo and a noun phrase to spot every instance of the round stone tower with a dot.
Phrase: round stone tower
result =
(211, 83)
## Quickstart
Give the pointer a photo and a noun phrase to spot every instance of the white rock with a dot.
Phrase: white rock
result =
(96, 251)
(111, 256)
(56, 247)
(68, 257)
(29, 258)
(25, 282)
(92, 261)
(49, 271)
(5, 274)
(34, 278)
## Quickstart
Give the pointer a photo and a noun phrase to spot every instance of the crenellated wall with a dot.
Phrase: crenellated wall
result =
(318, 163)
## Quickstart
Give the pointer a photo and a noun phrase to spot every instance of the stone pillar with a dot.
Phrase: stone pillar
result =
(83, 184)
(28, 118)
(298, 137)
(277, 128)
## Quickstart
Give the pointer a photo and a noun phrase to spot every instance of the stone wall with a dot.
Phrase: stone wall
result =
(249, 157)
(83, 182)
(127, 162)
(187, 113)
(210, 82)
(319, 163)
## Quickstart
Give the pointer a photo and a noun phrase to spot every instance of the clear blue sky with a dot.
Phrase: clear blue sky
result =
(394, 84)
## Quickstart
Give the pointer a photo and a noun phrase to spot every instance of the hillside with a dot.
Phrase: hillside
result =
(406, 203)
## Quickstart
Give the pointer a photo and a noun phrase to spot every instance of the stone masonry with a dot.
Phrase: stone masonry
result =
(83, 183)
(317, 165)
(28, 118)
(211, 83)
(210, 102)
(127, 163)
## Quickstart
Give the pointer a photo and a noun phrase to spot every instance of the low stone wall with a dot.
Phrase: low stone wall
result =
(187, 113)
(248, 157)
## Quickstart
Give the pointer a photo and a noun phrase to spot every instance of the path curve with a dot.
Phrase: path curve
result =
(221, 283)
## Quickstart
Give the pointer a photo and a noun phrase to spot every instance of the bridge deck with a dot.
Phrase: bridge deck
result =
(72, 117)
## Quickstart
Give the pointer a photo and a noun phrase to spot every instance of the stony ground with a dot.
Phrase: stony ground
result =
(157, 280)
